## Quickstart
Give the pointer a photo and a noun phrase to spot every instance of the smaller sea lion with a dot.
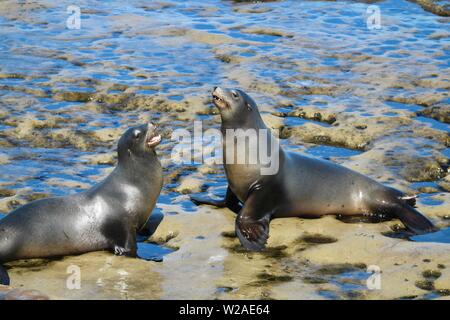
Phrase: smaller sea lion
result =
(108, 216)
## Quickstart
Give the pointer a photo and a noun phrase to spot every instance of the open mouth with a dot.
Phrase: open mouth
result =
(218, 101)
(153, 140)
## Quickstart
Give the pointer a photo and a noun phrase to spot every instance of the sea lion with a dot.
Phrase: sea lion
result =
(106, 217)
(302, 187)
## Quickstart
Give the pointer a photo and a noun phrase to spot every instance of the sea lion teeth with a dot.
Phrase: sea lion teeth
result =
(153, 141)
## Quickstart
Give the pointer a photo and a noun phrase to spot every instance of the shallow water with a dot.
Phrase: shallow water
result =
(60, 89)
(442, 236)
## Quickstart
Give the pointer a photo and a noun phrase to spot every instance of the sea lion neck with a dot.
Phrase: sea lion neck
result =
(252, 121)
(137, 165)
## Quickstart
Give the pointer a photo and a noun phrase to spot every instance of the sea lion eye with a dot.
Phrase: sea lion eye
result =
(234, 94)
(137, 134)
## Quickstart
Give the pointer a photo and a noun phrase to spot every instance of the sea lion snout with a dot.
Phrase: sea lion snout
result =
(139, 140)
(220, 98)
(152, 138)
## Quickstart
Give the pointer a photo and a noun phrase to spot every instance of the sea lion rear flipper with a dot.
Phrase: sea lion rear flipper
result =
(230, 201)
(151, 225)
(4, 277)
(414, 220)
(199, 200)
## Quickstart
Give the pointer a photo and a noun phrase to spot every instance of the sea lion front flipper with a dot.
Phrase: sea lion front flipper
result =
(253, 234)
(128, 247)
(252, 222)
(230, 201)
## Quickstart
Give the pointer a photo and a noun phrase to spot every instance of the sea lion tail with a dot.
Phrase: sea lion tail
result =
(4, 277)
(414, 220)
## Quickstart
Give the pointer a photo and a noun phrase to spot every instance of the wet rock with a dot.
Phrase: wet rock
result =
(6, 193)
(189, 184)
(12, 204)
(267, 32)
(425, 285)
(115, 100)
(166, 238)
(229, 234)
(39, 93)
(423, 169)
(4, 159)
(8, 293)
(339, 137)
(316, 239)
(425, 100)
(73, 96)
(439, 35)
(313, 113)
(439, 113)
(273, 122)
(315, 280)
(157, 5)
(264, 278)
(252, 10)
(46, 133)
(427, 190)
(67, 183)
(439, 7)
(77, 139)
(152, 103)
(26, 125)
(445, 183)
(11, 76)
(118, 87)
(326, 90)
(431, 274)
(334, 269)
(206, 169)
(8, 203)
(276, 252)
(251, 1)
(36, 196)
(101, 159)
(349, 131)
(228, 58)
(110, 135)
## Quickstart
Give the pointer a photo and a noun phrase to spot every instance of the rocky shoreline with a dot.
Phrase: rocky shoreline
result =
(375, 101)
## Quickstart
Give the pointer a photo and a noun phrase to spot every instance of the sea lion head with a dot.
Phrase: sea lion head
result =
(235, 105)
(139, 141)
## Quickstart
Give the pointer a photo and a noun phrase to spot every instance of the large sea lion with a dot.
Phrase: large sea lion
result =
(106, 217)
(301, 187)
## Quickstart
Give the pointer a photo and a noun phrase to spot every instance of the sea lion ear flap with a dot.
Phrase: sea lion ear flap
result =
(249, 107)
